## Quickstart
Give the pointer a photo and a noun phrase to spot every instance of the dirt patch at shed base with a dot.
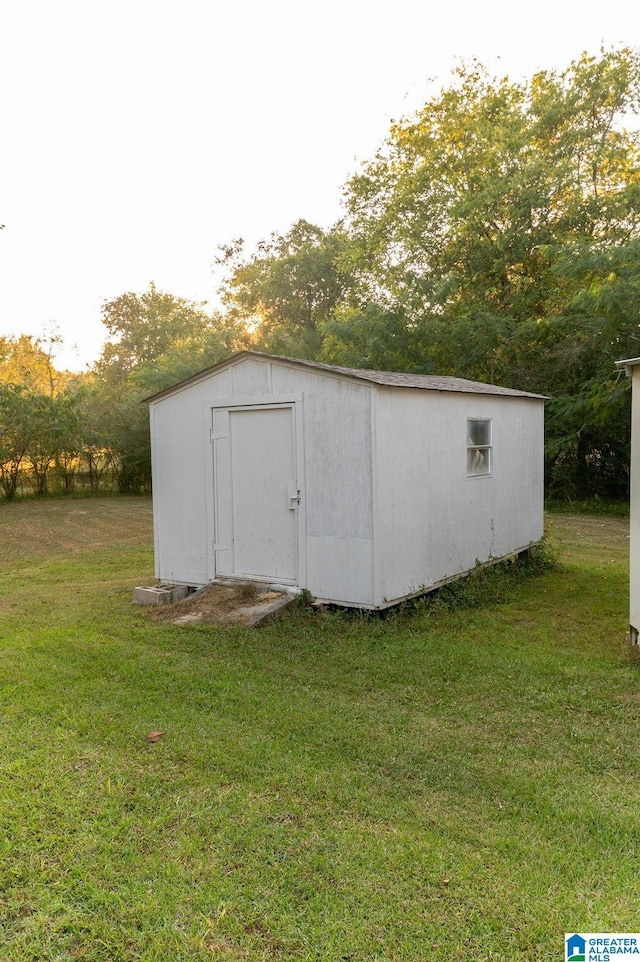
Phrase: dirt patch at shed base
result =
(244, 604)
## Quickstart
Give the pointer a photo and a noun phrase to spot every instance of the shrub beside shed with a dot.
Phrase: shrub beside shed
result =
(363, 487)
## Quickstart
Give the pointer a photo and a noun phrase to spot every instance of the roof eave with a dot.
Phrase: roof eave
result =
(463, 385)
(628, 364)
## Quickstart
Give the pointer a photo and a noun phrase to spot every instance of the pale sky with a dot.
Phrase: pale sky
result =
(138, 135)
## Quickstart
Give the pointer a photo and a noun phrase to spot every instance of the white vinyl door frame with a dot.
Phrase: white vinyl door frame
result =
(218, 406)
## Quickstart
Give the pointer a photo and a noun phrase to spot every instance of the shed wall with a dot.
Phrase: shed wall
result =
(179, 429)
(337, 484)
(634, 513)
(434, 521)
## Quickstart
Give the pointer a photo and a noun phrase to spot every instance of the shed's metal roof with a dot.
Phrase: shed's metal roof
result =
(424, 382)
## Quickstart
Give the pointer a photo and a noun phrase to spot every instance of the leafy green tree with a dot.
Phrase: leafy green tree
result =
(92, 402)
(128, 443)
(29, 361)
(38, 412)
(286, 291)
(220, 338)
(143, 327)
(455, 216)
(69, 436)
(41, 448)
(588, 414)
(494, 236)
(24, 423)
(116, 434)
(157, 339)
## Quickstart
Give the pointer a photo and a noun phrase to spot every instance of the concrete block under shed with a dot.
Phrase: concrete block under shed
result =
(159, 594)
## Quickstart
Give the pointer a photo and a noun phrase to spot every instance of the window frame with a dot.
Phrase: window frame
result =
(482, 449)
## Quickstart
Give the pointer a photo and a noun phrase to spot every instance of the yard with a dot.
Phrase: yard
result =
(449, 783)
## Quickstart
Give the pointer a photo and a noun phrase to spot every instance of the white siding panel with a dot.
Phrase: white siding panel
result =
(250, 378)
(180, 535)
(180, 463)
(217, 386)
(487, 516)
(466, 505)
(341, 570)
(634, 519)
(403, 529)
(450, 495)
(435, 522)
(519, 475)
(338, 452)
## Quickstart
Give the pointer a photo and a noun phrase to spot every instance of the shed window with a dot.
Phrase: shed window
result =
(479, 460)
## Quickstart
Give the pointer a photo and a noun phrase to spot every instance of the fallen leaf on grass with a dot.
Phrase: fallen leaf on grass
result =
(154, 736)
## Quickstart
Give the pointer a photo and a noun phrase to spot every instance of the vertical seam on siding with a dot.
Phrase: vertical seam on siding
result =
(375, 506)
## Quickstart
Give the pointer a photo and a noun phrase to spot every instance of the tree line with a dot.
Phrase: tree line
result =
(494, 236)
(60, 430)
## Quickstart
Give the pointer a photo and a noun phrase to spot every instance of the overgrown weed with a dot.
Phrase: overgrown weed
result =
(487, 584)
(491, 584)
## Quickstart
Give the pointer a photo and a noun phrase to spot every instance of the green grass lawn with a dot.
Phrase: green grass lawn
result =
(448, 783)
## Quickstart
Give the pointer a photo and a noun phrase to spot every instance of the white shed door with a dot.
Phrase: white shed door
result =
(256, 488)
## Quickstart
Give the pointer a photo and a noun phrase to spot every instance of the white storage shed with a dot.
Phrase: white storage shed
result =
(632, 369)
(363, 487)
